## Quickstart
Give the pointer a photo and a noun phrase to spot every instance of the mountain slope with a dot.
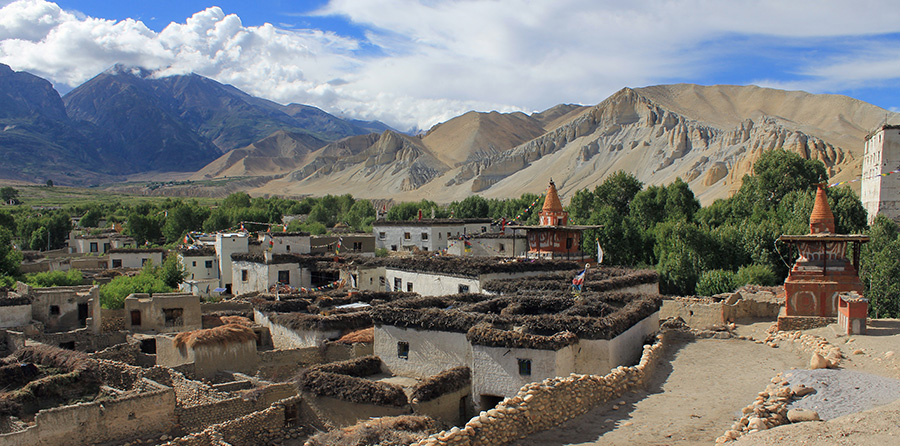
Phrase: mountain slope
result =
(708, 136)
(38, 141)
(275, 154)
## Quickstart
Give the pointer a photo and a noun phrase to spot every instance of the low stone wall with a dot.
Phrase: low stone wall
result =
(112, 320)
(340, 413)
(717, 311)
(212, 307)
(445, 408)
(544, 405)
(261, 427)
(198, 417)
(146, 413)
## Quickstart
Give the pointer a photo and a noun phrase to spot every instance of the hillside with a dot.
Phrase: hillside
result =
(707, 135)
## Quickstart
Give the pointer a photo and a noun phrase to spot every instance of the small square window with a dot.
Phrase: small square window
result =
(116, 263)
(54, 310)
(463, 289)
(424, 236)
(95, 247)
(284, 277)
(398, 284)
(393, 247)
(288, 248)
(409, 287)
(403, 350)
(357, 246)
(144, 261)
(208, 263)
(525, 367)
(381, 236)
(406, 236)
(194, 263)
(502, 248)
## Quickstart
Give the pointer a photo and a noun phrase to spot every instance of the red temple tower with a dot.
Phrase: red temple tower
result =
(823, 271)
(554, 238)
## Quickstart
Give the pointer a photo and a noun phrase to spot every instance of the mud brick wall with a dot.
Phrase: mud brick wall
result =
(544, 405)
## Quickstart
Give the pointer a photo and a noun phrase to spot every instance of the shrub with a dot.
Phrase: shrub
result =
(113, 294)
(715, 281)
(384, 431)
(755, 275)
(72, 277)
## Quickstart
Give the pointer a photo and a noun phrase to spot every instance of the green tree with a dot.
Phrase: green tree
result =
(776, 173)
(171, 272)
(755, 275)
(91, 218)
(183, 218)
(9, 193)
(473, 206)
(880, 268)
(237, 200)
(113, 294)
(145, 227)
(361, 215)
(715, 281)
(10, 259)
(617, 191)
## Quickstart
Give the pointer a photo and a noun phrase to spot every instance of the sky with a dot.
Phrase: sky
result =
(415, 63)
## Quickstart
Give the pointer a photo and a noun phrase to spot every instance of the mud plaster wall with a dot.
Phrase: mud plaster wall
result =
(342, 413)
(286, 338)
(198, 417)
(100, 422)
(445, 408)
(247, 430)
(544, 405)
(430, 352)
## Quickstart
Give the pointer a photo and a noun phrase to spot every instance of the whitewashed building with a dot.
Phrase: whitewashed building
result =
(226, 245)
(426, 234)
(98, 244)
(285, 242)
(134, 257)
(201, 266)
(881, 194)
(253, 273)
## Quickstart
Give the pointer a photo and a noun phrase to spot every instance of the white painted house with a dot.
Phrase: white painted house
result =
(881, 194)
(201, 266)
(253, 273)
(98, 244)
(425, 234)
(134, 257)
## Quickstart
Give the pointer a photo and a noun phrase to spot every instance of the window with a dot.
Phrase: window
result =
(381, 281)
(403, 350)
(440, 236)
(144, 261)
(105, 247)
(173, 316)
(501, 248)
(393, 247)
(398, 284)
(208, 263)
(525, 367)
(381, 236)
(288, 248)
(54, 310)
(244, 275)
(449, 235)
(409, 287)
(463, 289)
(135, 318)
(559, 222)
(424, 236)
(407, 236)
(194, 263)
(357, 246)
(284, 276)
(95, 247)
(484, 229)
(116, 263)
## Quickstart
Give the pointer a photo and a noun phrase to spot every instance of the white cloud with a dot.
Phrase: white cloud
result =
(438, 59)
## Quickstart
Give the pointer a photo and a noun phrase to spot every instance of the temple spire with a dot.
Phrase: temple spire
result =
(552, 203)
(821, 221)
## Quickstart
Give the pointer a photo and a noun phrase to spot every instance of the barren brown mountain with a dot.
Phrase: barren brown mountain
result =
(707, 135)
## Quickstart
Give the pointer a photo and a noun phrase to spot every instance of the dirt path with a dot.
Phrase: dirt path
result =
(696, 394)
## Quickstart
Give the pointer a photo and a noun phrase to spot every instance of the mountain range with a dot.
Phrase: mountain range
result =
(128, 121)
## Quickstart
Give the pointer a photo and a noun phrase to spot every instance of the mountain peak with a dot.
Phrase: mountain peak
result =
(129, 70)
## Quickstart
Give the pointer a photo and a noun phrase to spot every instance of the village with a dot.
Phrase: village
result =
(469, 332)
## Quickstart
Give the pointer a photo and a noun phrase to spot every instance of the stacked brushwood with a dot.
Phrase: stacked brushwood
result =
(11, 301)
(76, 375)
(596, 280)
(385, 431)
(448, 381)
(346, 381)
(468, 267)
(523, 321)
(221, 335)
(340, 321)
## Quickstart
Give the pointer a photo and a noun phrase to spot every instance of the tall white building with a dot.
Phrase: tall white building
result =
(881, 194)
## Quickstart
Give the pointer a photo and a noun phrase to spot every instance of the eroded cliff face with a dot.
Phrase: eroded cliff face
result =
(708, 136)
(670, 145)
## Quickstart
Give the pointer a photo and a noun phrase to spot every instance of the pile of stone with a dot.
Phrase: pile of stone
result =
(810, 344)
(770, 410)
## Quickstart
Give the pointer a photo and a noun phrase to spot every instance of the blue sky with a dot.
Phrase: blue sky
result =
(414, 63)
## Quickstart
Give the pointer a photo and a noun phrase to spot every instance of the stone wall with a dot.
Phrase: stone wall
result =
(251, 429)
(198, 417)
(112, 320)
(708, 312)
(146, 413)
(544, 405)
